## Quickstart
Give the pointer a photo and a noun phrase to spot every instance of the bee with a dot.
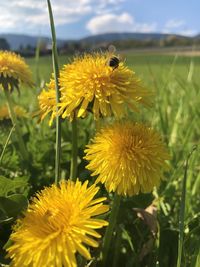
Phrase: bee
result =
(113, 60)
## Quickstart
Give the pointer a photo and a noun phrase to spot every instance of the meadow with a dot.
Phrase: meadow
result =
(175, 81)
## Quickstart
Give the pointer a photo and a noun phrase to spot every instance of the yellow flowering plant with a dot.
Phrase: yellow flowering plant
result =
(128, 158)
(19, 111)
(60, 221)
(88, 84)
(13, 71)
(47, 102)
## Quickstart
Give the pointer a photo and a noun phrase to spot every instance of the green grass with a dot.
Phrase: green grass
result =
(175, 82)
(159, 63)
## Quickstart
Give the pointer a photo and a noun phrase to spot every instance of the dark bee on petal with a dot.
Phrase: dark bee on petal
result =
(113, 60)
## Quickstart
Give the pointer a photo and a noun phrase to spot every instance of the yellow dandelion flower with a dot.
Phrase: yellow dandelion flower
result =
(58, 223)
(90, 84)
(20, 112)
(47, 102)
(128, 158)
(13, 71)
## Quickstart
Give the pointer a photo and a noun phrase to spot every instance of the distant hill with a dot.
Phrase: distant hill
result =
(17, 40)
(109, 37)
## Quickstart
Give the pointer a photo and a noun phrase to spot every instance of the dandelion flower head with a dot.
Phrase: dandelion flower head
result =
(47, 101)
(20, 112)
(128, 158)
(90, 84)
(58, 223)
(13, 71)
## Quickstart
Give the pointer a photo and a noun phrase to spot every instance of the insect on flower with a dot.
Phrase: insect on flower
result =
(113, 60)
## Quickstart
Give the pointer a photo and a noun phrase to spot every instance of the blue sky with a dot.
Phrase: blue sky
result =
(79, 18)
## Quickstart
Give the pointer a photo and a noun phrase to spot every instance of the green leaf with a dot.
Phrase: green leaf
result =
(13, 205)
(10, 186)
(198, 260)
(3, 216)
(128, 238)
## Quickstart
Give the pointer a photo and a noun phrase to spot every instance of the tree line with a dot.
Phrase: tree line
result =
(71, 47)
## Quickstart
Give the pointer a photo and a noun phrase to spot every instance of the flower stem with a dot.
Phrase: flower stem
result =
(73, 168)
(37, 58)
(110, 228)
(56, 76)
(22, 147)
(7, 141)
(182, 209)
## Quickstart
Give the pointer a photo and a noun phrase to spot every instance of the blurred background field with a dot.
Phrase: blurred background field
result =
(175, 113)
(142, 61)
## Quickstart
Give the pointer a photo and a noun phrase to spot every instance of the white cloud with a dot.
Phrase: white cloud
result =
(174, 23)
(188, 32)
(106, 3)
(20, 15)
(175, 26)
(117, 23)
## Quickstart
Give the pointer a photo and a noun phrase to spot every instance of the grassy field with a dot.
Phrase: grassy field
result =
(141, 62)
(175, 82)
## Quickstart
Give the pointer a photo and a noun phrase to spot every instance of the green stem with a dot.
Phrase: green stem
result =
(110, 228)
(6, 143)
(56, 77)
(117, 245)
(73, 168)
(22, 147)
(182, 210)
(37, 57)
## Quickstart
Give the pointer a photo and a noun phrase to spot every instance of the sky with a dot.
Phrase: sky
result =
(75, 19)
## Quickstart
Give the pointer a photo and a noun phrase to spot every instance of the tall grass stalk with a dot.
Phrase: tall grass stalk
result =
(21, 144)
(37, 57)
(110, 229)
(73, 168)
(56, 77)
(182, 210)
(6, 143)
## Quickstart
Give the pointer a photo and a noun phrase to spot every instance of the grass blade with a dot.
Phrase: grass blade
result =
(74, 163)
(37, 58)
(56, 77)
(110, 229)
(22, 147)
(182, 210)
(198, 260)
(6, 143)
